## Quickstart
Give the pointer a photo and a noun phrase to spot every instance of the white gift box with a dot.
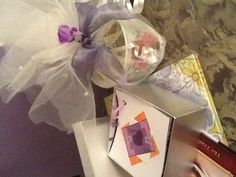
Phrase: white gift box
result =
(154, 132)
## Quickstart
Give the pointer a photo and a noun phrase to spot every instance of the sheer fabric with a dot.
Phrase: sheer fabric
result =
(36, 63)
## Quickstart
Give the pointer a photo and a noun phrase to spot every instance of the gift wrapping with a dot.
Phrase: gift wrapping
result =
(150, 129)
(186, 79)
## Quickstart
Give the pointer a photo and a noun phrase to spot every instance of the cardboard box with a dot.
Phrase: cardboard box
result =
(154, 132)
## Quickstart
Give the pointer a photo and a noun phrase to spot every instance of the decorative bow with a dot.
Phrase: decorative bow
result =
(91, 53)
(57, 78)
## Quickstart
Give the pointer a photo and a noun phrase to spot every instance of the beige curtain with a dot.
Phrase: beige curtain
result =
(207, 27)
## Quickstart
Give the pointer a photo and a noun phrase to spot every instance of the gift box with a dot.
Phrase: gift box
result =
(153, 132)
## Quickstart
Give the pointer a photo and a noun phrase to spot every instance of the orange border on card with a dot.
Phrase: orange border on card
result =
(157, 151)
(135, 159)
(140, 117)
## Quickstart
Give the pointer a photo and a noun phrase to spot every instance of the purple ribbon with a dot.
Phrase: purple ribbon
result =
(90, 54)
(115, 113)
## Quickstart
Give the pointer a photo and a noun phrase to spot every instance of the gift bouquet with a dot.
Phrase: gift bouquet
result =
(59, 47)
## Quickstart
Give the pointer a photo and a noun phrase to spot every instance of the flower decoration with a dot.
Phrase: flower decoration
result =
(67, 34)
(142, 65)
(192, 74)
(144, 50)
(146, 39)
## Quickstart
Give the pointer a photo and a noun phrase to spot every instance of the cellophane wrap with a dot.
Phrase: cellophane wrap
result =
(138, 48)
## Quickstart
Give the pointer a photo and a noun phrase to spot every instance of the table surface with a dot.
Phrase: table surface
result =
(91, 137)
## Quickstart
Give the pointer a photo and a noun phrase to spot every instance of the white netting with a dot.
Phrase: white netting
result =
(36, 63)
(34, 57)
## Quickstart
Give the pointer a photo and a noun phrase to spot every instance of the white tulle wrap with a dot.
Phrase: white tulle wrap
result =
(34, 57)
(36, 63)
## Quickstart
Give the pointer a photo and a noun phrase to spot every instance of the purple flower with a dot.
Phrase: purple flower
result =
(66, 34)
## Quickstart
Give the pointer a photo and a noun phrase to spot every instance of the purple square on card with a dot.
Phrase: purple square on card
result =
(138, 138)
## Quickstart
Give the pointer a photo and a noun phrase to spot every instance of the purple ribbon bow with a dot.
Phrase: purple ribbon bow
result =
(92, 55)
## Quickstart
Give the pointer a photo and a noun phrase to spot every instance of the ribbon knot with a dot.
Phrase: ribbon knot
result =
(87, 41)
(67, 35)
(90, 54)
